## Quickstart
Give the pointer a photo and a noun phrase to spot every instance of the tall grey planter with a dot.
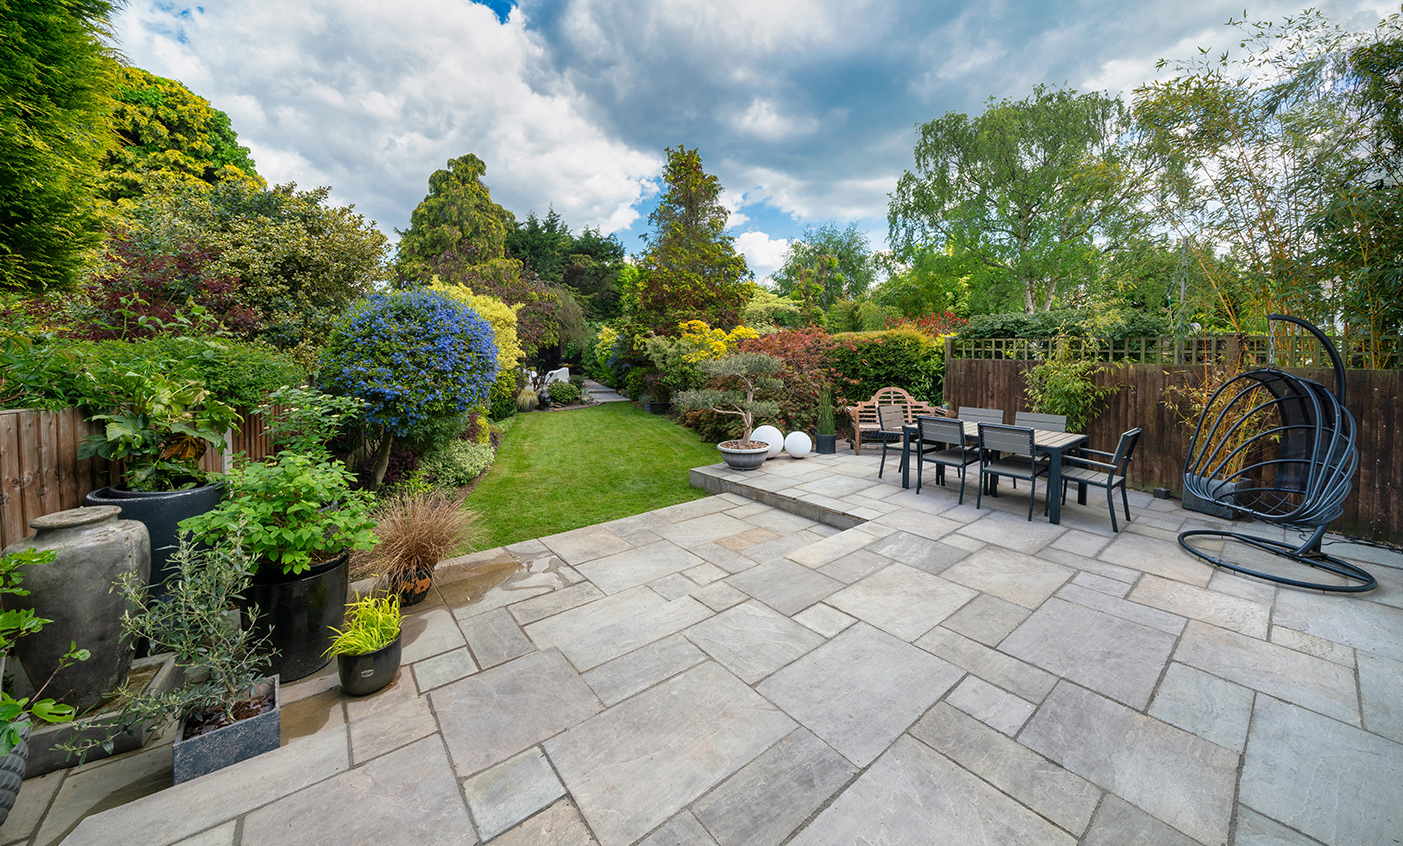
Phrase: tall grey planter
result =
(94, 550)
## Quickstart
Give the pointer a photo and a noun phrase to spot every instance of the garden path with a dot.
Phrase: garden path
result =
(817, 656)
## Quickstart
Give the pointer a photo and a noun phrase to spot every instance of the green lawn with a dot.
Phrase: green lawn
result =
(566, 469)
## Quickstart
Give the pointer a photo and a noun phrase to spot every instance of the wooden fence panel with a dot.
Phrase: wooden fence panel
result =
(1374, 508)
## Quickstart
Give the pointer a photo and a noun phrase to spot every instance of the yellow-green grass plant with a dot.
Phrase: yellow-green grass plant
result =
(372, 623)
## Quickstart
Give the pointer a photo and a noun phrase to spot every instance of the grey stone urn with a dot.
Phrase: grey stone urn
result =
(94, 549)
(743, 459)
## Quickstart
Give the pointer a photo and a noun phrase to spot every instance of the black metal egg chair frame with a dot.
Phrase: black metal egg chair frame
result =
(1295, 443)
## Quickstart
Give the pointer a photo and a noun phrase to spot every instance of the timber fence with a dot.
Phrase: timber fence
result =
(40, 471)
(1374, 509)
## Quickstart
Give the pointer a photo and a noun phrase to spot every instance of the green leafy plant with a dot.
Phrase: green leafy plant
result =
(304, 420)
(734, 382)
(372, 623)
(563, 393)
(457, 464)
(824, 424)
(1063, 384)
(161, 430)
(293, 512)
(15, 624)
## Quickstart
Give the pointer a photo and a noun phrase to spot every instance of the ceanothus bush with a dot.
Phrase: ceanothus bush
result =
(415, 358)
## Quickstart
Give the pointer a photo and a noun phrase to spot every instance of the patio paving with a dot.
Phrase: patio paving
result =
(813, 655)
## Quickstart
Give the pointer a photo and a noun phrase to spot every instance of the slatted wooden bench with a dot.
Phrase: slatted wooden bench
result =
(864, 414)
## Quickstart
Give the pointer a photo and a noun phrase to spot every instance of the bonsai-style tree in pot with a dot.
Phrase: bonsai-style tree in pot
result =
(733, 382)
(17, 715)
(416, 530)
(228, 705)
(367, 650)
(159, 429)
(298, 518)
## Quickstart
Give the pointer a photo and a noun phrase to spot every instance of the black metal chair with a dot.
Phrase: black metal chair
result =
(1108, 473)
(942, 443)
(890, 419)
(1036, 420)
(1293, 444)
(1014, 442)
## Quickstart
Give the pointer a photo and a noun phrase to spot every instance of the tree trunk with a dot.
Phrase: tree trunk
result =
(382, 462)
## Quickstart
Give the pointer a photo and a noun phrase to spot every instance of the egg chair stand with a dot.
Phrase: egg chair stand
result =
(1296, 443)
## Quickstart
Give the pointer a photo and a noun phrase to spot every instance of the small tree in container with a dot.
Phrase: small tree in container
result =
(734, 380)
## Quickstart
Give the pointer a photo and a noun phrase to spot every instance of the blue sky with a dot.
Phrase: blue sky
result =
(805, 109)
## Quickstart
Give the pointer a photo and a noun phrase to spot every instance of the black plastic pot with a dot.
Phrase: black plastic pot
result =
(659, 407)
(362, 675)
(161, 513)
(825, 444)
(413, 589)
(298, 612)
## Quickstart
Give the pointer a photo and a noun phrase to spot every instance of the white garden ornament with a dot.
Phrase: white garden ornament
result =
(798, 445)
(771, 436)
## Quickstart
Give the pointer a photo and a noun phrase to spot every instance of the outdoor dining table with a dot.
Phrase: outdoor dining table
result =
(1052, 444)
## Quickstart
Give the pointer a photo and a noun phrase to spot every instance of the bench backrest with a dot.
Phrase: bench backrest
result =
(866, 412)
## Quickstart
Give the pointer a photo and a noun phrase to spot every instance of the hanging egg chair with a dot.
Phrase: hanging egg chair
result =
(1280, 449)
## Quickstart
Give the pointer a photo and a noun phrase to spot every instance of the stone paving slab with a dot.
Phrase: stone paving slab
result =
(639, 762)
(1271, 718)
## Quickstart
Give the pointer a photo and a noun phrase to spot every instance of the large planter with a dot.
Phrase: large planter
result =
(94, 549)
(155, 674)
(12, 768)
(826, 444)
(657, 407)
(298, 612)
(205, 753)
(161, 513)
(362, 675)
(1214, 507)
(743, 459)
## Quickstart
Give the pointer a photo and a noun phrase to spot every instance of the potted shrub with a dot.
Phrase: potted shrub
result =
(299, 520)
(734, 380)
(160, 431)
(416, 530)
(17, 715)
(367, 650)
(228, 705)
(826, 438)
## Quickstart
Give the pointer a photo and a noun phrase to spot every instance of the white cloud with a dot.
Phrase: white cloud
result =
(764, 120)
(372, 97)
(762, 253)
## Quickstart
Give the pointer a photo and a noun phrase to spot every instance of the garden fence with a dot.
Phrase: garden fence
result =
(1291, 350)
(40, 471)
(1374, 509)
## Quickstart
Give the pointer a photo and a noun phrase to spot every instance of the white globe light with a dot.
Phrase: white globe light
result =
(798, 444)
(771, 436)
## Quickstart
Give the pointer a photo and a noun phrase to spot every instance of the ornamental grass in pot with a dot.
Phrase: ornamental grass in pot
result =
(367, 649)
(416, 531)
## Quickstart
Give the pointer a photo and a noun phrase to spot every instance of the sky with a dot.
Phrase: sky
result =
(806, 110)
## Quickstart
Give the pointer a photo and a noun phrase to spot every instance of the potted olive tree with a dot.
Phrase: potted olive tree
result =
(159, 430)
(228, 705)
(367, 650)
(733, 382)
(298, 518)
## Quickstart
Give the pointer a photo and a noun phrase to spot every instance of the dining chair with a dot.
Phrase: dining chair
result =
(1108, 474)
(971, 414)
(1014, 442)
(946, 438)
(1036, 420)
(890, 420)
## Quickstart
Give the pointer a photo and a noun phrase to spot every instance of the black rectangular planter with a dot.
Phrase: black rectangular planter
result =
(234, 743)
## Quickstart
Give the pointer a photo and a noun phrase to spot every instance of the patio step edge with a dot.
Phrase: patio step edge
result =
(717, 479)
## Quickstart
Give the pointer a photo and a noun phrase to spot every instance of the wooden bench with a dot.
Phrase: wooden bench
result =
(864, 414)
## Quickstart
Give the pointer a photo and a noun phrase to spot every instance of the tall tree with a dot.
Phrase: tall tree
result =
(458, 216)
(55, 84)
(589, 264)
(1260, 145)
(541, 243)
(164, 128)
(691, 270)
(1030, 188)
(839, 259)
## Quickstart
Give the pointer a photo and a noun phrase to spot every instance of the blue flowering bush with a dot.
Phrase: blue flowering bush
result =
(415, 358)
